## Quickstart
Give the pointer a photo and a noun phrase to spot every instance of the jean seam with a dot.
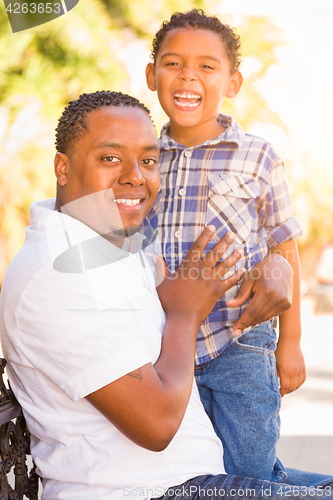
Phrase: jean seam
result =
(199, 369)
(275, 389)
(249, 348)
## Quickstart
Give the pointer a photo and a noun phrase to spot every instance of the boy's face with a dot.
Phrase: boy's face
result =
(110, 179)
(192, 77)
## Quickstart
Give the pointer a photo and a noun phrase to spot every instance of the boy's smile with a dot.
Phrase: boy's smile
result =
(192, 77)
(187, 100)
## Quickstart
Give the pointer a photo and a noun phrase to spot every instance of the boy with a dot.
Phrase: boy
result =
(214, 173)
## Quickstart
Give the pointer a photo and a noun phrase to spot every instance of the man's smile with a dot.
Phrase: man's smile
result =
(128, 202)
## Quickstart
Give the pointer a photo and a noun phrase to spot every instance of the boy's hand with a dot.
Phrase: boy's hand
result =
(271, 284)
(290, 366)
(196, 285)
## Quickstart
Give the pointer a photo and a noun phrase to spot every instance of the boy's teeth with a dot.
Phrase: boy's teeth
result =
(128, 201)
(187, 95)
(187, 104)
(187, 99)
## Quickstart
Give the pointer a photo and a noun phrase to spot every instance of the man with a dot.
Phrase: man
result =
(81, 322)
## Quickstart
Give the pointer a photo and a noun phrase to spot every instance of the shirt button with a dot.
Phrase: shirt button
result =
(177, 234)
(188, 154)
(182, 191)
(235, 189)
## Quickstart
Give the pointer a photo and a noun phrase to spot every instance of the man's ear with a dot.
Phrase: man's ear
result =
(150, 76)
(61, 162)
(236, 80)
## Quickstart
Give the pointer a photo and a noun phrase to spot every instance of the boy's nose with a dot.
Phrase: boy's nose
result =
(188, 75)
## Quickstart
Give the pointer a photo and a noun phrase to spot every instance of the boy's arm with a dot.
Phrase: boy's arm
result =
(289, 358)
(148, 404)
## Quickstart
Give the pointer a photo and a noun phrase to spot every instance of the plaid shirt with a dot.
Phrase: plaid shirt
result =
(235, 182)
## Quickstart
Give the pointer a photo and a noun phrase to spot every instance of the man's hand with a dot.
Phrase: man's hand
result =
(290, 365)
(271, 284)
(197, 284)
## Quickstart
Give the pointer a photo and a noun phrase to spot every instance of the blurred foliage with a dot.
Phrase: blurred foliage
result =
(93, 47)
(260, 38)
(58, 60)
(145, 16)
(312, 201)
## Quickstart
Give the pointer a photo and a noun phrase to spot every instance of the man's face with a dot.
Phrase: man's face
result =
(192, 77)
(110, 179)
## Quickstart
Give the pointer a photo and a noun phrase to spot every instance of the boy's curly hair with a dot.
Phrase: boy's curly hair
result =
(196, 18)
(72, 125)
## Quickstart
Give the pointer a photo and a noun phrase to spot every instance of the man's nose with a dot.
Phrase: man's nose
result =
(131, 174)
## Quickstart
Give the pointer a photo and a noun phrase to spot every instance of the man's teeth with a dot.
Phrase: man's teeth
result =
(127, 202)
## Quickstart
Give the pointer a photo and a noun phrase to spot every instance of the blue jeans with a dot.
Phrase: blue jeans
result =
(242, 488)
(240, 393)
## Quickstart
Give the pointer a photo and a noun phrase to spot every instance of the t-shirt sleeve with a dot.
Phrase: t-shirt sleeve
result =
(276, 209)
(85, 330)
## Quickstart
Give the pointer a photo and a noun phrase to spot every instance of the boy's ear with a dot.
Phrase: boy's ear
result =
(60, 168)
(236, 80)
(150, 76)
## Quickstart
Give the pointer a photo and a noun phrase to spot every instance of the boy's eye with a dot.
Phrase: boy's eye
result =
(207, 66)
(111, 159)
(172, 64)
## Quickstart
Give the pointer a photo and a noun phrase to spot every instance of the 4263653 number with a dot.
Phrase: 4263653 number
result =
(32, 8)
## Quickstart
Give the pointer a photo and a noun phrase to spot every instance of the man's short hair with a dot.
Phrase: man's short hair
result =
(72, 124)
(196, 18)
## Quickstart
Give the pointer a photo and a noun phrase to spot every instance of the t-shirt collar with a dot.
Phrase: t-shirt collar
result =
(72, 243)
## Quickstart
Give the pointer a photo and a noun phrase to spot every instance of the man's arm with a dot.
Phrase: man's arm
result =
(271, 285)
(148, 404)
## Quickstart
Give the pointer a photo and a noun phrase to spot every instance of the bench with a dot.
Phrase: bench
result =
(14, 448)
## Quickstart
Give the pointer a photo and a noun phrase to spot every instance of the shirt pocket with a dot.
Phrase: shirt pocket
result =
(232, 205)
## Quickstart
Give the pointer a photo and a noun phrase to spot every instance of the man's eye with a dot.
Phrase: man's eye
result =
(111, 159)
(149, 161)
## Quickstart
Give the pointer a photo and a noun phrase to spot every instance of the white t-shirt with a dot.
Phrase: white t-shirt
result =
(68, 330)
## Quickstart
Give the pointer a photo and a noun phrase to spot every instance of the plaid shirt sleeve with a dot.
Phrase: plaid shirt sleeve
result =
(276, 209)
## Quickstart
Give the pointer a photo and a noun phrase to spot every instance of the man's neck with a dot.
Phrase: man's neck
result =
(117, 238)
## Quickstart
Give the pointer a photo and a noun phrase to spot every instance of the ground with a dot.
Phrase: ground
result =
(307, 414)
